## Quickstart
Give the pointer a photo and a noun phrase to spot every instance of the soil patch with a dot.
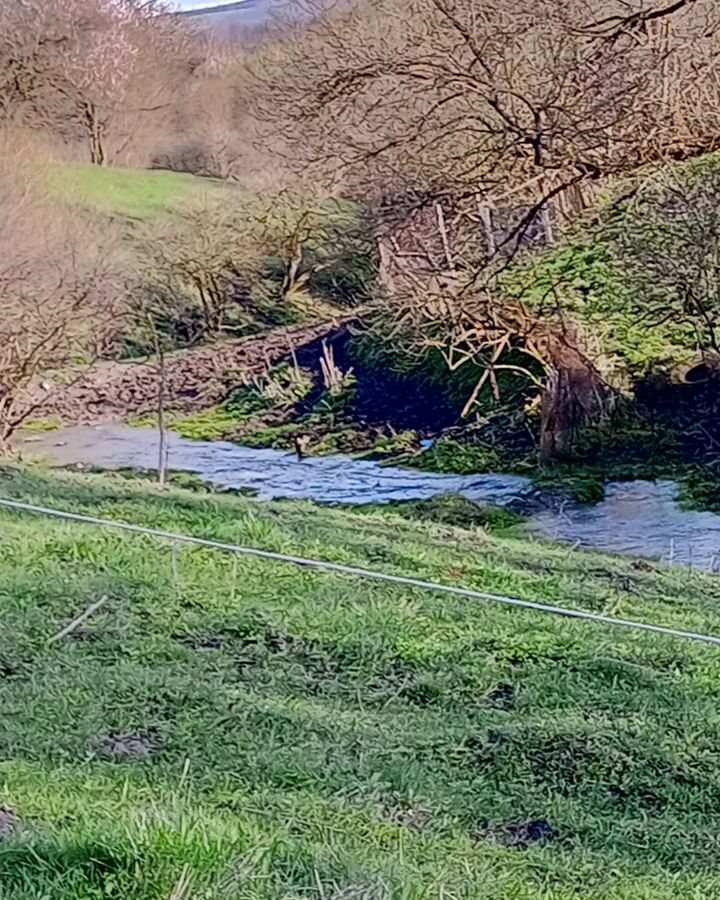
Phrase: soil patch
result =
(9, 822)
(127, 745)
(195, 379)
(522, 834)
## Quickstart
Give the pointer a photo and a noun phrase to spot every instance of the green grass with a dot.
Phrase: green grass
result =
(212, 424)
(42, 425)
(451, 509)
(317, 736)
(140, 194)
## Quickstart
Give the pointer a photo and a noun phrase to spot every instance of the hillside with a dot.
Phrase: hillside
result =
(232, 19)
(130, 194)
(228, 728)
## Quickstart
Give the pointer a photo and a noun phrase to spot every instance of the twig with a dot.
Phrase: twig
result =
(84, 616)
(181, 889)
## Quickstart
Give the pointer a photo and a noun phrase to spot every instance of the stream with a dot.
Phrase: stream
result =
(639, 518)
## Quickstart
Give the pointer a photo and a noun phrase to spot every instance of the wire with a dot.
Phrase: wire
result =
(360, 572)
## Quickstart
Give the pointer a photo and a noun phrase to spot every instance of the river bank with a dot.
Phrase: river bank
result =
(310, 390)
(637, 518)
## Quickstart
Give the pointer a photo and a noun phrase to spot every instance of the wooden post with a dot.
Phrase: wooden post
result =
(163, 450)
(442, 228)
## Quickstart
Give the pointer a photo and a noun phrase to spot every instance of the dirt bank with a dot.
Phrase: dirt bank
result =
(194, 379)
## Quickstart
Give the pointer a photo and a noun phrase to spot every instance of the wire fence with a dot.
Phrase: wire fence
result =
(360, 572)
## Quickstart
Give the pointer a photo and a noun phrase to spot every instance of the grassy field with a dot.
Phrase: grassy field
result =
(137, 194)
(234, 728)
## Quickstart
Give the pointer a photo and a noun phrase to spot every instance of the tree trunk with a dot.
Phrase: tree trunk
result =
(292, 270)
(162, 442)
(96, 137)
(574, 398)
(444, 237)
(162, 439)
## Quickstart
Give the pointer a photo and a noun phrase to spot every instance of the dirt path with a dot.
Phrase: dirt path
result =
(194, 379)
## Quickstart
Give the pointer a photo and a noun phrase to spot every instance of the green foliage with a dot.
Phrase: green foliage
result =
(339, 398)
(700, 487)
(454, 509)
(453, 457)
(285, 385)
(280, 388)
(51, 423)
(317, 735)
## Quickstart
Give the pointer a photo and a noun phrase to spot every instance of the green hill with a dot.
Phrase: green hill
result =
(236, 728)
(139, 194)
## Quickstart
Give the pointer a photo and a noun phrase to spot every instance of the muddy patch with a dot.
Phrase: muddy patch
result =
(128, 745)
(522, 834)
(414, 816)
(9, 822)
(500, 697)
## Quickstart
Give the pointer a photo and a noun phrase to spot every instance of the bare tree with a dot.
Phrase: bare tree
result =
(667, 245)
(474, 125)
(89, 69)
(457, 95)
(59, 293)
(203, 262)
(316, 237)
(207, 134)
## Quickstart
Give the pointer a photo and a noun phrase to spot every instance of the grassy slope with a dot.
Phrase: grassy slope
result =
(323, 737)
(139, 194)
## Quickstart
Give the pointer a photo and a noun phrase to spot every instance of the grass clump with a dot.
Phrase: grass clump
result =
(453, 457)
(456, 510)
(262, 731)
(43, 425)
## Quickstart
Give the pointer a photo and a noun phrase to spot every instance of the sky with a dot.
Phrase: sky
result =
(198, 4)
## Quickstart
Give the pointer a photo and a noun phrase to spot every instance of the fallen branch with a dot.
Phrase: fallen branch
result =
(83, 617)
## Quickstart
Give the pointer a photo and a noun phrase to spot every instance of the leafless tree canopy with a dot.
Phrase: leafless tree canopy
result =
(466, 95)
(59, 290)
(89, 70)
(476, 128)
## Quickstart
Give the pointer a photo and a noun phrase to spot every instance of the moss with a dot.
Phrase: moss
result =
(209, 425)
(454, 509)
(391, 446)
(51, 423)
(450, 456)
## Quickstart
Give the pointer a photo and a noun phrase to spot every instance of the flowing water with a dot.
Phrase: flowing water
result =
(641, 518)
